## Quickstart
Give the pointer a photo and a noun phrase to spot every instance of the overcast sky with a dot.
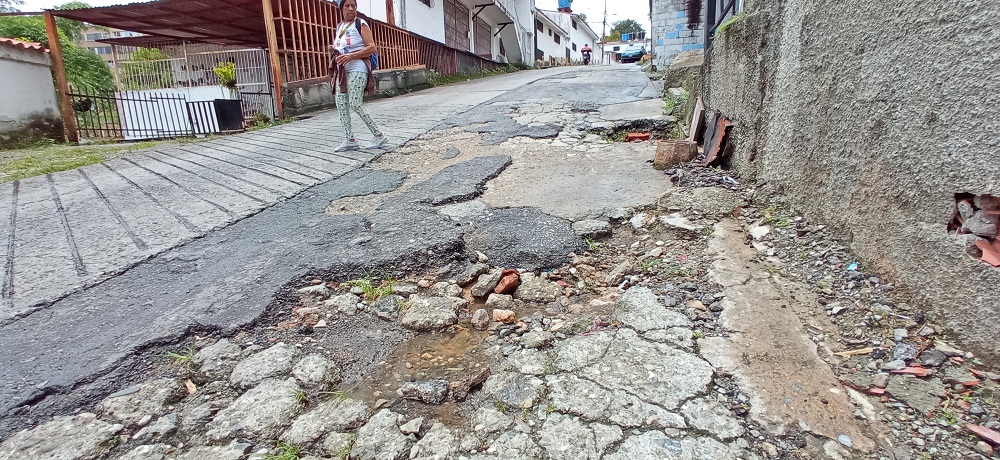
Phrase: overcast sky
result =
(594, 9)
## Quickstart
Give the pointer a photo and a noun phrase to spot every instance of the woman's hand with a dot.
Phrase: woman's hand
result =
(343, 59)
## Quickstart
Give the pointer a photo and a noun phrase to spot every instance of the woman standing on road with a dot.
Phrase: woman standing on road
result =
(352, 74)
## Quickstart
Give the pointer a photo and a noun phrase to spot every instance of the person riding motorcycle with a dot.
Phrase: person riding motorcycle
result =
(586, 51)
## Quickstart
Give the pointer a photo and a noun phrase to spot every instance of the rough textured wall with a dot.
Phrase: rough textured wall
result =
(28, 110)
(670, 34)
(870, 116)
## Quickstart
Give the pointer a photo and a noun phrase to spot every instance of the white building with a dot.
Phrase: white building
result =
(495, 29)
(28, 110)
(564, 35)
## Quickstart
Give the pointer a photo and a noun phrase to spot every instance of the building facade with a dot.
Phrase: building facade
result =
(562, 36)
(93, 35)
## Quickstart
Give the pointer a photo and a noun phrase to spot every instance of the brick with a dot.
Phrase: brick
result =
(671, 153)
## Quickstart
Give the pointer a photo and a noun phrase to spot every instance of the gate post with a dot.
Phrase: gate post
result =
(272, 49)
(59, 68)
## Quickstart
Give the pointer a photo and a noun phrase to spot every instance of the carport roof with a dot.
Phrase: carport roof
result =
(225, 22)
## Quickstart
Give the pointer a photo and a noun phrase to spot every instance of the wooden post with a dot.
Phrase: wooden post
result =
(272, 48)
(65, 105)
(114, 67)
(390, 15)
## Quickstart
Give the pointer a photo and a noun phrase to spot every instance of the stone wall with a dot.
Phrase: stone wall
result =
(670, 33)
(870, 117)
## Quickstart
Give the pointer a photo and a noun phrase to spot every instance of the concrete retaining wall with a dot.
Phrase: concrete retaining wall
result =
(28, 110)
(314, 95)
(870, 117)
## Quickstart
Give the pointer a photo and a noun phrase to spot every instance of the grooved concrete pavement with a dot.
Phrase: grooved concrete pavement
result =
(72, 229)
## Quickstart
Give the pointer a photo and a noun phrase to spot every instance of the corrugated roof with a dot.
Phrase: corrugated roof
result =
(21, 44)
(226, 22)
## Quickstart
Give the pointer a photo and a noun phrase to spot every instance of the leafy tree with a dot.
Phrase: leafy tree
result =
(72, 29)
(83, 68)
(8, 6)
(626, 26)
(143, 71)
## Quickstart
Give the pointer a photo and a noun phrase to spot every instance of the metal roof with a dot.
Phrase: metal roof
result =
(225, 22)
(22, 44)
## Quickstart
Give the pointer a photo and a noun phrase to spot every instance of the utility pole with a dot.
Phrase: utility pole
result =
(604, 28)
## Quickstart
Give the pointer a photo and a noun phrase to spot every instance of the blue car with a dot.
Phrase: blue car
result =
(632, 54)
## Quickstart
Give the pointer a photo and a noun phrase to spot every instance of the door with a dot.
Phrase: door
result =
(456, 25)
(484, 39)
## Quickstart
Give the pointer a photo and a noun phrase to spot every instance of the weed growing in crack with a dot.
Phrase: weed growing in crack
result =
(184, 360)
(345, 451)
(302, 398)
(285, 451)
(592, 245)
(647, 264)
(551, 408)
(500, 405)
(374, 287)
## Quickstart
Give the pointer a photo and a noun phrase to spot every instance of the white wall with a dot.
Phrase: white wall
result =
(546, 41)
(423, 20)
(33, 94)
(580, 36)
(374, 9)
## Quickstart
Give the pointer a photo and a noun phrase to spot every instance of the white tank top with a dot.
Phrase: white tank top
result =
(349, 40)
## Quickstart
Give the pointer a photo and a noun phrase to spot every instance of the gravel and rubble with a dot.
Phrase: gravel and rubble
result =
(601, 357)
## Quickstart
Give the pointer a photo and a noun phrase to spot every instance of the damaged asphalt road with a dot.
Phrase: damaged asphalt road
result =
(74, 350)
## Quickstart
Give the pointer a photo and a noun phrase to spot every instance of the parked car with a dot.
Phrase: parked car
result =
(632, 54)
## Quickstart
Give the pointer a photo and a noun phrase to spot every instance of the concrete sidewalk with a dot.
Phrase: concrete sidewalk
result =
(72, 229)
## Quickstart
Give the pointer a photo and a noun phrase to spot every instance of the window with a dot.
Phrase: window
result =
(550, 32)
(574, 24)
(574, 47)
(556, 38)
(539, 26)
(95, 36)
(102, 50)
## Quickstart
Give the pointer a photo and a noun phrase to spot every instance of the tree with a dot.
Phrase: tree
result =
(626, 26)
(72, 29)
(84, 69)
(7, 6)
(583, 17)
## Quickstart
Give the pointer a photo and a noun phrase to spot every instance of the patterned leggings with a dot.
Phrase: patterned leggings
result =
(356, 82)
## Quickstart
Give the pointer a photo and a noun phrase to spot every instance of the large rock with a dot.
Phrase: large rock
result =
(387, 307)
(316, 292)
(345, 304)
(149, 452)
(481, 319)
(335, 415)
(316, 371)
(486, 283)
(654, 444)
(487, 421)
(571, 394)
(262, 411)
(592, 228)
(513, 389)
(234, 451)
(654, 372)
(565, 438)
(639, 309)
(439, 443)
(670, 153)
(536, 289)
(920, 394)
(428, 391)
(432, 313)
(163, 427)
(218, 358)
(338, 445)
(273, 362)
(709, 416)
(80, 437)
(470, 273)
(150, 398)
(380, 439)
(618, 272)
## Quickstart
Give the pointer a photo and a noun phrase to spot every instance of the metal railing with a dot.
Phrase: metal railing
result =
(718, 12)
(305, 30)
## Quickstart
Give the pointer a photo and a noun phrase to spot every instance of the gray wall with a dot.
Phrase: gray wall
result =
(870, 116)
(28, 110)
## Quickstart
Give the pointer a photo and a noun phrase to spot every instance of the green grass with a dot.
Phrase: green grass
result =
(184, 359)
(725, 25)
(285, 451)
(374, 287)
(54, 158)
(645, 265)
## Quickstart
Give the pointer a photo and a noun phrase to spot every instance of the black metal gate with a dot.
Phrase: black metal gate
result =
(141, 115)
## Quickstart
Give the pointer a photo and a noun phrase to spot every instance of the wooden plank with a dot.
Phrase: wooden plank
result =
(272, 45)
(59, 68)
